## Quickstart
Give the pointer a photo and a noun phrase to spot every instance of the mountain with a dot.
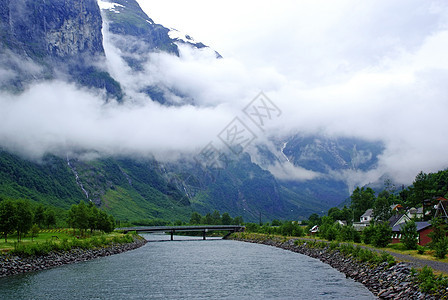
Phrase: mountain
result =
(70, 41)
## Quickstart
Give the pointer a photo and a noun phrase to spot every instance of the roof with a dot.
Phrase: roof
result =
(394, 219)
(420, 226)
(368, 213)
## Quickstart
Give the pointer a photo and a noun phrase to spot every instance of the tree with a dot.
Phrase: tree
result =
(238, 220)
(420, 189)
(24, 217)
(439, 231)
(382, 235)
(409, 235)
(335, 213)
(381, 209)
(216, 218)
(314, 219)
(93, 216)
(7, 218)
(39, 215)
(226, 219)
(195, 218)
(361, 200)
(78, 217)
(34, 231)
(50, 218)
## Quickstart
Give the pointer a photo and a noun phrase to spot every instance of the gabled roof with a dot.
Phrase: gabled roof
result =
(420, 226)
(368, 213)
(398, 219)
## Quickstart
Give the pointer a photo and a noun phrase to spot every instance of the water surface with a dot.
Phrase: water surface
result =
(189, 268)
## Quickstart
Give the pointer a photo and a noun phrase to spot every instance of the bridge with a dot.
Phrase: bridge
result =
(174, 229)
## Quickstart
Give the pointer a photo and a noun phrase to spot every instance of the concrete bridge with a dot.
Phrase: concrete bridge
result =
(174, 229)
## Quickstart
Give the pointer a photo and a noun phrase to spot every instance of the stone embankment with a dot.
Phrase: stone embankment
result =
(14, 265)
(384, 281)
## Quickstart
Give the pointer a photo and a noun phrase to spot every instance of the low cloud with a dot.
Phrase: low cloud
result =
(383, 83)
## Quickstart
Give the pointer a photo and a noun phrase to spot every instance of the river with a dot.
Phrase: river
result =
(189, 268)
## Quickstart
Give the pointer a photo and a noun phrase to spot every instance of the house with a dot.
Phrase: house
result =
(415, 213)
(398, 219)
(423, 229)
(341, 223)
(314, 229)
(367, 216)
(364, 220)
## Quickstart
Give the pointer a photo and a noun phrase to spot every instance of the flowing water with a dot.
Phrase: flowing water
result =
(189, 268)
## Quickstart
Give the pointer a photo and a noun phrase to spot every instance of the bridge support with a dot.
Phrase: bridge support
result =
(203, 234)
(172, 235)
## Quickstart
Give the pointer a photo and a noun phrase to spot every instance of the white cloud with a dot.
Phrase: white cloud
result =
(373, 69)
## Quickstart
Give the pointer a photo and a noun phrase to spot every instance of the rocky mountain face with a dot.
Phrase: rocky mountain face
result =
(64, 39)
(60, 39)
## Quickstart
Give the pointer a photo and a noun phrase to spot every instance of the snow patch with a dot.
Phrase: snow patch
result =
(109, 6)
(176, 34)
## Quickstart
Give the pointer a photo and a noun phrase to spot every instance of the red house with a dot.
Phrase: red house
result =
(423, 229)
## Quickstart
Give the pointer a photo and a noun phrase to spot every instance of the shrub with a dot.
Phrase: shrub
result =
(441, 248)
(367, 234)
(334, 245)
(427, 279)
(331, 233)
(420, 249)
(409, 235)
(382, 235)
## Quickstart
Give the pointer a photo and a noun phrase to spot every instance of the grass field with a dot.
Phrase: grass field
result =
(53, 235)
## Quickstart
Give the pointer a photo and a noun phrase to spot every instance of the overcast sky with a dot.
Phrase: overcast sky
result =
(371, 69)
(375, 70)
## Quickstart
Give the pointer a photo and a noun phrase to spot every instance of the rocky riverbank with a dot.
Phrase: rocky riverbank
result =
(384, 281)
(13, 265)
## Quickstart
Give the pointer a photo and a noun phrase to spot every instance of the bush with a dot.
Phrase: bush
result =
(382, 235)
(367, 234)
(420, 249)
(409, 235)
(348, 234)
(441, 248)
(331, 233)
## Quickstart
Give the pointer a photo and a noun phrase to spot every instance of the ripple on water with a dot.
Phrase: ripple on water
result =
(190, 269)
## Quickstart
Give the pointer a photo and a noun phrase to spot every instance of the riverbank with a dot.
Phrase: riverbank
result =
(14, 265)
(384, 280)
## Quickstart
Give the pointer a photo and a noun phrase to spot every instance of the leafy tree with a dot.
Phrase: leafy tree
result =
(238, 220)
(216, 218)
(367, 234)
(226, 219)
(409, 235)
(441, 248)
(8, 218)
(50, 218)
(93, 216)
(78, 217)
(382, 235)
(381, 209)
(276, 222)
(335, 213)
(313, 219)
(207, 219)
(361, 200)
(421, 188)
(34, 231)
(24, 217)
(39, 215)
(331, 233)
(439, 231)
(348, 234)
(195, 218)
